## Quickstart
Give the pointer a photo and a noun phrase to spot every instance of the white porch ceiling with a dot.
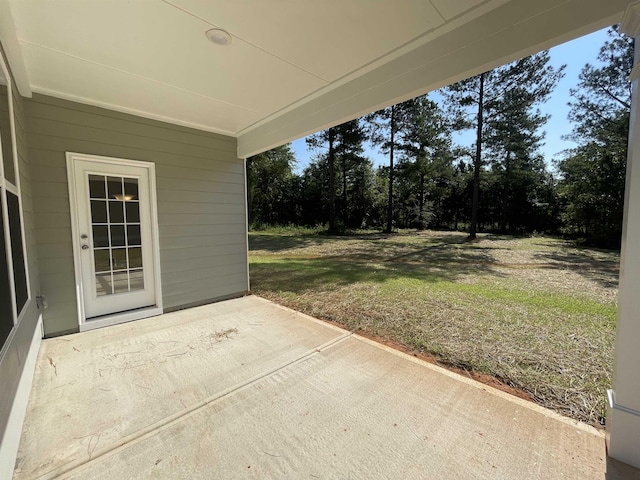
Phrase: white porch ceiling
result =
(294, 66)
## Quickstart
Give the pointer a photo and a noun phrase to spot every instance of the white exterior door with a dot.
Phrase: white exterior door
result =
(113, 236)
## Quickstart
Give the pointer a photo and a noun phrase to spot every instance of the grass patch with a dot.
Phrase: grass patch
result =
(286, 230)
(536, 313)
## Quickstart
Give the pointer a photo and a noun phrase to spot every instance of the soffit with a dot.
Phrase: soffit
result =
(152, 57)
(461, 48)
(294, 66)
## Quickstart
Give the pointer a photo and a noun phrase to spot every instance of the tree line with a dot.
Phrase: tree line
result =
(501, 184)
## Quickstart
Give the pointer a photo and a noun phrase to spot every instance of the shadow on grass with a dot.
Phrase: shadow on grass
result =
(438, 251)
(376, 259)
(299, 274)
(502, 237)
(603, 271)
(278, 243)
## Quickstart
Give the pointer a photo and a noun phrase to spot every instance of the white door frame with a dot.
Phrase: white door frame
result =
(79, 285)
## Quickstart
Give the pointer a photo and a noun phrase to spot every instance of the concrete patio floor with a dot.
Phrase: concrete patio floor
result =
(248, 389)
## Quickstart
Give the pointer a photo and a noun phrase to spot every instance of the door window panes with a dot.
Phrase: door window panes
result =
(133, 235)
(97, 187)
(98, 211)
(100, 236)
(118, 238)
(116, 211)
(131, 188)
(133, 212)
(117, 243)
(102, 260)
(135, 258)
(120, 282)
(104, 285)
(119, 258)
(114, 187)
(136, 279)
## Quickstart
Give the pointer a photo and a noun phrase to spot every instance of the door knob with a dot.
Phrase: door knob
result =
(84, 247)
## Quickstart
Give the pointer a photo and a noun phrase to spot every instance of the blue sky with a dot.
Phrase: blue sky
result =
(574, 55)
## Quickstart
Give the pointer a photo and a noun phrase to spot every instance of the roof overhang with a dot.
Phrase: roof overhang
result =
(11, 47)
(294, 66)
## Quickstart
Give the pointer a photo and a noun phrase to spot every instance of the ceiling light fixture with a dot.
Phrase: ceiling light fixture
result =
(219, 36)
(124, 198)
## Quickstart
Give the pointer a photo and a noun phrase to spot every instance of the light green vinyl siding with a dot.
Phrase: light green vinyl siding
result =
(200, 191)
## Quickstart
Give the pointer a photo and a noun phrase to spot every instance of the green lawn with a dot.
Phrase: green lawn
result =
(536, 313)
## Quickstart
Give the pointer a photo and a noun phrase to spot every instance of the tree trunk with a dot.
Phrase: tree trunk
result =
(332, 183)
(476, 163)
(344, 190)
(250, 213)
(392, 128)
(421, 203)
(505, 194)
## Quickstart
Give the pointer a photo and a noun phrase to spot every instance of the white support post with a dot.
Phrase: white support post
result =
(623, 418)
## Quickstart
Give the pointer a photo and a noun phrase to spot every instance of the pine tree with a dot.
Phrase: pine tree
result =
(593, 174)
(341, 142)
(425, 153)
(514, 138)
(269, 187)
(486, 101)
(383, 129)
(387, 128)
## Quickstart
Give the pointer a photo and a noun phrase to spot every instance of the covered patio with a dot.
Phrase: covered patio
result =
(124, 128)
(249, 389)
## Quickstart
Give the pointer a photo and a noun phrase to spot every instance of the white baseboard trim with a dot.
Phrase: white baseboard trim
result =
(11, 439)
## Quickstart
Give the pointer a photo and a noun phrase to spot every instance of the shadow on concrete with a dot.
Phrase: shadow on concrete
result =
(617, 470)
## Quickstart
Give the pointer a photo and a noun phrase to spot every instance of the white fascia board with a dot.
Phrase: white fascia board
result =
(507, 33)
(630, 24)
(11, 46)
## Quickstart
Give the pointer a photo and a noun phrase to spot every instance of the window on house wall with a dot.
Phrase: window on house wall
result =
(6, 308)
(14, 286)
(17, 252)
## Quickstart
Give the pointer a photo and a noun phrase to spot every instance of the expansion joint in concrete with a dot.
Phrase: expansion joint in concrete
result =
(140, 435)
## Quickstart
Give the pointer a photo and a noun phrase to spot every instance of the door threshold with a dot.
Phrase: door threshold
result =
(122, 317)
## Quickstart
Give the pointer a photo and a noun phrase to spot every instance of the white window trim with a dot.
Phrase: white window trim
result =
(15, 189)
(73, 200)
